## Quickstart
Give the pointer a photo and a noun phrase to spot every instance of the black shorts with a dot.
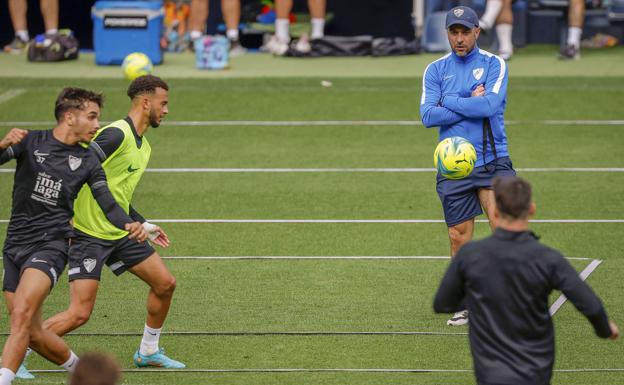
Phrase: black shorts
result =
(49, 257)
(87, 255)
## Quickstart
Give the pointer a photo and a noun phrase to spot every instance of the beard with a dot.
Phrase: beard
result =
(153, 120)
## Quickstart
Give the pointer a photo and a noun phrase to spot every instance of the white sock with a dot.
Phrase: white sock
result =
(149, 343)
(574, 36)
(28, 353)
(194, 35)
(6, 376)
(51, 31)
(22, 34)
(282, 27)
(492, 9)
(232, 34)
(503, 32)
(70, 364)
(318, 28)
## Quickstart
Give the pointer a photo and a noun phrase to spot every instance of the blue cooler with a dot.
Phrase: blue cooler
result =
(123, 27)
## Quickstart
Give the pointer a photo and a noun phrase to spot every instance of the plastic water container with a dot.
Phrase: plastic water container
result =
(123, 27)
(212, 52)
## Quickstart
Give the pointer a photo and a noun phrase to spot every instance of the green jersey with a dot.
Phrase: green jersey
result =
(124, 166)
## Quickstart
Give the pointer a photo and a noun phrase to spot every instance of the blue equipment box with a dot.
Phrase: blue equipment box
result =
(123, 27)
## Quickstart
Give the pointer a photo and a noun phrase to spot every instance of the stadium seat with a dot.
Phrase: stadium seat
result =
(615, 12)
(434, 37)
(594, 17)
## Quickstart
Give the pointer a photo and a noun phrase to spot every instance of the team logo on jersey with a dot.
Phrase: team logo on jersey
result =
(40, 156)
(458, 12)
(477, 73)
(46, 189)
(74, 162)
(89, 264)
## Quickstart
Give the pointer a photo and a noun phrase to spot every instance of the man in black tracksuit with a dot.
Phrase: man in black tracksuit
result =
(504, 282)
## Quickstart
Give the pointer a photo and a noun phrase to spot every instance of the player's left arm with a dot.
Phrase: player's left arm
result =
(488, 104)
(155, 233)
(450, 295)
(566, 279)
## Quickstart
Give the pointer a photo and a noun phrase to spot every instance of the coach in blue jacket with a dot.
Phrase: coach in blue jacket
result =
(464, 93)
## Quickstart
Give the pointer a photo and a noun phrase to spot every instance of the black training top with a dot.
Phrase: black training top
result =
(48, 177)
(504, 282)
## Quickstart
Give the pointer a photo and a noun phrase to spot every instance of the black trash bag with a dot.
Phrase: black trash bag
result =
(335, 46)
(394, 46)
(50, 48)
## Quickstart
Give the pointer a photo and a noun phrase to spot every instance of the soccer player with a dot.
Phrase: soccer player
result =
(96, 368)
(51, 168)
(124, 152)
(576, 17)
(278, 45)
(18, 10)
(231, 10)
(464, 93)
(505, 281)
(499, 15)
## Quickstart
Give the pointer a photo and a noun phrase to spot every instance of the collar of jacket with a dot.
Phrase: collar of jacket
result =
(468, 58)
(515, 235)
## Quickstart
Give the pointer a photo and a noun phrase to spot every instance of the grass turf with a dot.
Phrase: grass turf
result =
(308, 295)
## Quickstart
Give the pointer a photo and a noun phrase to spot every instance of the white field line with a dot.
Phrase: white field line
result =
(368, 220)
(308, 370)
(207, 220)
(593, 265)
(348, 170)
(277, 333)
(11, 94)
(296, 123)
(343, 257)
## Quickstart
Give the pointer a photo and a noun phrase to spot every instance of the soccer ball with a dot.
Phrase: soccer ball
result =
(136, 64)
(455, 157)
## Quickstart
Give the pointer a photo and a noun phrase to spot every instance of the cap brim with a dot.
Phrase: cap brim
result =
(465, 23)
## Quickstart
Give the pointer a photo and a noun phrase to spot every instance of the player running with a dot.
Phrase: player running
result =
(124, 153)
(51, 168)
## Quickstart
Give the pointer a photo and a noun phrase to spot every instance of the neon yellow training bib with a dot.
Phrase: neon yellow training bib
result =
(123, 169)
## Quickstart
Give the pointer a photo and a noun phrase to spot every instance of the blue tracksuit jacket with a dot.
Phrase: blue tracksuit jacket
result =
(446, 102)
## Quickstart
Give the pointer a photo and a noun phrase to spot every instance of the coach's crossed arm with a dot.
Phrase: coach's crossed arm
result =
(432, 113)
(485, 104)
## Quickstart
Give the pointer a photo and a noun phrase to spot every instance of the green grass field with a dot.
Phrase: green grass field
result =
(254, 314)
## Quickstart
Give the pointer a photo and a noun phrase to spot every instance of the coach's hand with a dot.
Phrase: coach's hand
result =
(615, 332)
(137, 232)
(14, 136)
(479, 91)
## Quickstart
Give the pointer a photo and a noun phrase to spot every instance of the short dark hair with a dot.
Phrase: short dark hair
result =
(146, 85)
(513, 196)
(96, 368)
(75, 98)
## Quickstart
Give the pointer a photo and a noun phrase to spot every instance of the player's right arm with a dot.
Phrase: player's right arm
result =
(450, 295)
(10, 147)
(432, 113)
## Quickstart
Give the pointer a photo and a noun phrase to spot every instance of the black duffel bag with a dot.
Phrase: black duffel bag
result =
(57, 47)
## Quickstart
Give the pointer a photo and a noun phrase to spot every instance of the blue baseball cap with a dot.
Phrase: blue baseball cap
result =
(462, 15)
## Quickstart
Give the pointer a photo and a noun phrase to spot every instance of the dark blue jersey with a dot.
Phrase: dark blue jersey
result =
(48, 177)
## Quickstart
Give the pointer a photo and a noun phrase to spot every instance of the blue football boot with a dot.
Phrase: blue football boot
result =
(158, 359)
(23, 373)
